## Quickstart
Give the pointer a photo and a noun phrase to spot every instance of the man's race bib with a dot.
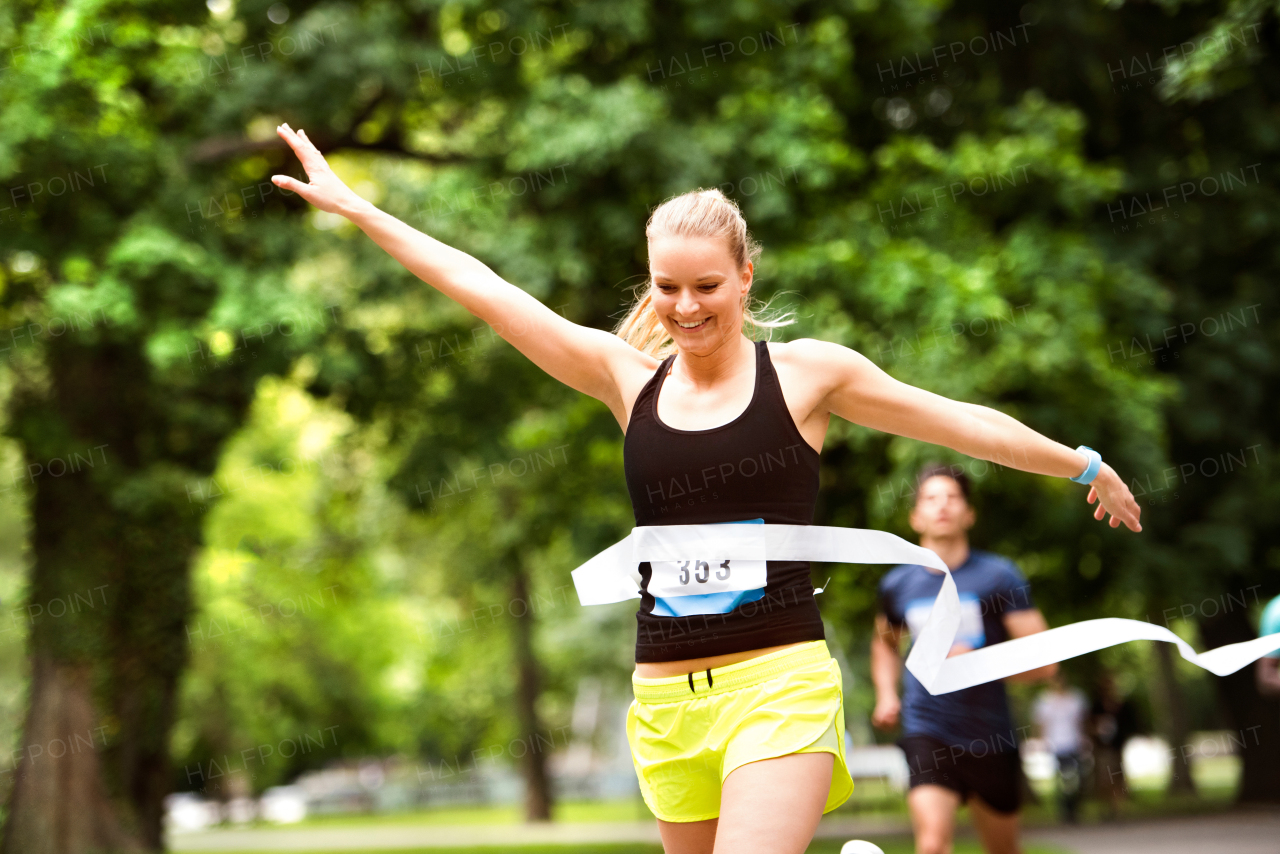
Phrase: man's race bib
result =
(971, 633)
(706, 586)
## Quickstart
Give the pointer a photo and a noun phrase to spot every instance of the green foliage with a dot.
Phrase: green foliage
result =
(302, 650)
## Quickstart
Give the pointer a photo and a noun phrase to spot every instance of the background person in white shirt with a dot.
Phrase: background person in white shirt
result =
(1060, 714)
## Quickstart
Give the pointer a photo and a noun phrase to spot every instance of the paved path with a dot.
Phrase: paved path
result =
(1235, 833)
(392, 837)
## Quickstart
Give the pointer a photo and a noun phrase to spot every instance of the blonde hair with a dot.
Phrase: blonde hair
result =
(698, 213)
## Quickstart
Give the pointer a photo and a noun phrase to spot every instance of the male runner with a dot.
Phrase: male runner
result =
(961, 747)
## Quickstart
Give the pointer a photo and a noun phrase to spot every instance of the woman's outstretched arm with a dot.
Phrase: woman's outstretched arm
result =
(857, 390)
(589, 360)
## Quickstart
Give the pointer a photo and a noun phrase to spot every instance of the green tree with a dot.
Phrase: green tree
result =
(301, 649)
(147, 310)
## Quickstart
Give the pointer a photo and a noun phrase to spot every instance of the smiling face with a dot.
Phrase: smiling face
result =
(698, 291)
(941, 510)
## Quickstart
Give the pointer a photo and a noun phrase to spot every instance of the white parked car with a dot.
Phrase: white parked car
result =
(283, 804)
(186, 811)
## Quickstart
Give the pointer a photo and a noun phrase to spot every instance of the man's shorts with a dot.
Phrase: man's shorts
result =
(994, 777)
(687, 733)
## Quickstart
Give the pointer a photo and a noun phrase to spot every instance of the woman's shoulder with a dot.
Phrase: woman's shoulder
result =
(818, 366)
(808, 352)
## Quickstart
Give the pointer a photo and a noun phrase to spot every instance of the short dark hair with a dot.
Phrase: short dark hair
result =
(954, 471)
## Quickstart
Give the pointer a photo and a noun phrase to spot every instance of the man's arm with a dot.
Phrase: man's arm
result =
(1019, 624)
(1268, 671)
(886, 667)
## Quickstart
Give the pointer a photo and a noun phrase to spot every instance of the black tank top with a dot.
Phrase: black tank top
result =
(757, 466)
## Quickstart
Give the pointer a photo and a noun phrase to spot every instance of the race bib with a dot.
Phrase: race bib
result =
(697, 576)
(706, 585)
(972, 632)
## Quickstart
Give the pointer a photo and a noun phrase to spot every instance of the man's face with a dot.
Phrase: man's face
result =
(941, 510)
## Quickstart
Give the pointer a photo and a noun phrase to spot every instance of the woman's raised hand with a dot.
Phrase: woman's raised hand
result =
(1115, 498)
(326, 190)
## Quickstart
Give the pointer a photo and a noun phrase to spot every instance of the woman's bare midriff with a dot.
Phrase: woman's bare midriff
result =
(655, 669)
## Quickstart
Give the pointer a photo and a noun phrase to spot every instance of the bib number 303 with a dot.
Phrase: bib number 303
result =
(685, 577)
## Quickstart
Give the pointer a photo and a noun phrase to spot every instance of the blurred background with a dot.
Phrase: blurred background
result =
(285, 535)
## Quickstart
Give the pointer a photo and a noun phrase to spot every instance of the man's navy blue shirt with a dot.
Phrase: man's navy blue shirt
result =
(990, 586)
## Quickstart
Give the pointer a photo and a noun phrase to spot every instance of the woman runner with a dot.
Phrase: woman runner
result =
(739, 707)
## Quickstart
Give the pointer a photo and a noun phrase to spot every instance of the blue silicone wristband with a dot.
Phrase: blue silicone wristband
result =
(1091, 470)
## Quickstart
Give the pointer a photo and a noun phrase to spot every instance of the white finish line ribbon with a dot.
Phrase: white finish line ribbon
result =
(614, 576)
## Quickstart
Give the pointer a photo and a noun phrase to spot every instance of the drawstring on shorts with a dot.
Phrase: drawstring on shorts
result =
(709, 682)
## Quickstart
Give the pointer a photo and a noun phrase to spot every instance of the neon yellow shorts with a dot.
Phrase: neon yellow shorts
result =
(684, 743)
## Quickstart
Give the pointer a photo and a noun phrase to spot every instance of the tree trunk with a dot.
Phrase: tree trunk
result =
(110, 596)
(113, 533)
(147, 651)
(1176, 724)
(1254, 718)
(538, 797)
(59, 803)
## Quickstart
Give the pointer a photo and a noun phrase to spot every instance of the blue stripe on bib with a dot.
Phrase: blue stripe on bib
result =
(704, 603)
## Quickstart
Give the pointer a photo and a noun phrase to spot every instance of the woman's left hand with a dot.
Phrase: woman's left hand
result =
(1115, 498)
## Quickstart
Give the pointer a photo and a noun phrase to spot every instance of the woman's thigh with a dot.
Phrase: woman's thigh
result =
(688, 837)
(772, 806)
